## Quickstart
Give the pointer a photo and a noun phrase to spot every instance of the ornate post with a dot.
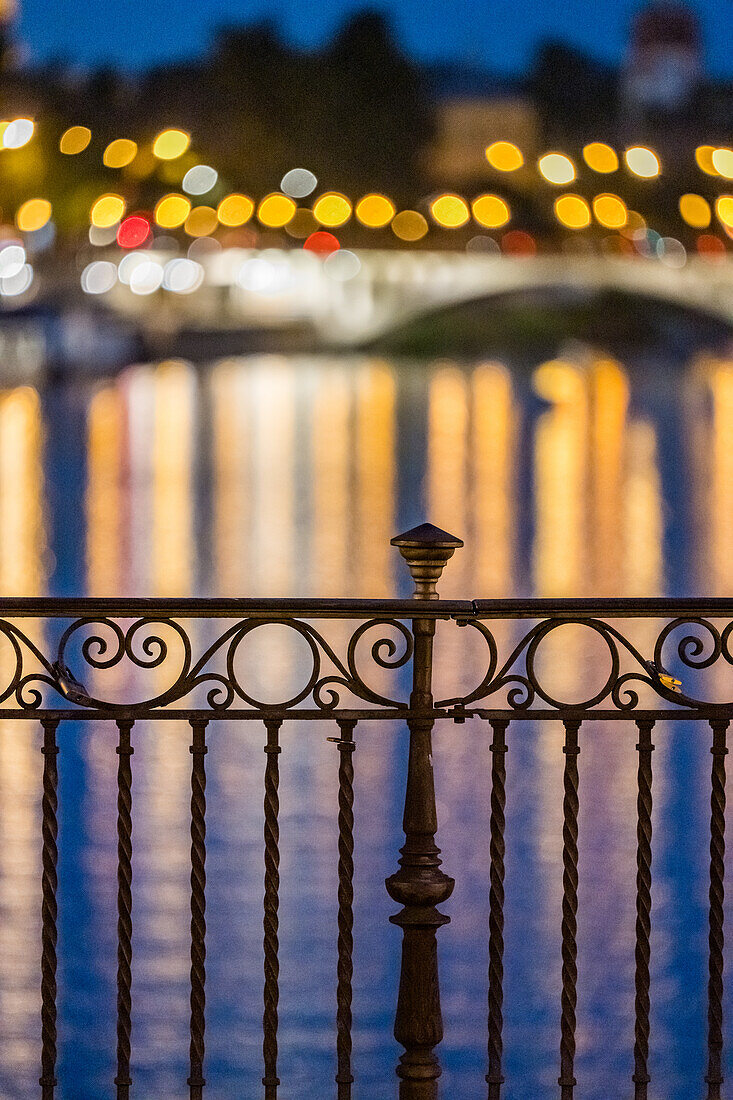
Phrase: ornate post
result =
(420, 885)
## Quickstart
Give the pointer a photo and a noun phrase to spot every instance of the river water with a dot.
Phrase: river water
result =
(287, 476)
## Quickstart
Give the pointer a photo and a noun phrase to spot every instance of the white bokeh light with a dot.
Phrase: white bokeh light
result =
(98, 277)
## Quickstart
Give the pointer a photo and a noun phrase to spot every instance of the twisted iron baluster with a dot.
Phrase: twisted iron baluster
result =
(569, 998)
(494, 1077)
(345, 970)
(271, 904)
(49, 909)
(124, 908)
(714, 1076)
(198, 751)
(645, 748)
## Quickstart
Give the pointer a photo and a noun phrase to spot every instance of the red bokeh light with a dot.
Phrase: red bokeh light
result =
(711, 247)
(133, 232)
(322, 243)
(518, 243)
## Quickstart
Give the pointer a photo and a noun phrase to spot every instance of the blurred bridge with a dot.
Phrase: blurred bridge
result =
(355, 296)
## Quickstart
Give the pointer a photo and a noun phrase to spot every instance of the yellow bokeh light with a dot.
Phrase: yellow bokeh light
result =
(724, 210)
(556, 168)
(119, 153)
(107, 211)
(642, 162)
(202, 221)
(449, 211)
(172, 211)
(235, 210)
(600, 157)
(171, 144)
(33, 215)
(75, 140)
(723, 162)
(610, 211)
(505, 156)
(572, 211)
(695, 210)
(375, 211)
(409, 225)
(491, 211)
(332, 209)
(276, 210)
(704, 159)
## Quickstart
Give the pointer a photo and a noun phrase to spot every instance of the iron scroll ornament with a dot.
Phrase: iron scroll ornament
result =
(142, 643)
(524, 687)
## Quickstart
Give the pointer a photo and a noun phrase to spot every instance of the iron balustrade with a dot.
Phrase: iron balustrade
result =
(96, 635)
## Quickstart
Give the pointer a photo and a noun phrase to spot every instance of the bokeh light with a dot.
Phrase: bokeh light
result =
(556, 168)
(704, 159)
(171, 144)
(33, 215)
(695, 210)
(610, 211)
(75, 140)
(98, 277)
(322, 243)
(202, 221)
(711, 247)
(276, 210)
(18, 133)
(171, 211)
(491, 211)
(17, 283)
(643, 162)
(133, 231)
(724, 210)
(235, 210)
(119, 153)
(182, 276)
(572, 211)
(517, 242)
(505, 156)
(375, 211)
(449, 211)
(600, 157)
(199, 179)
(302, 224)
(146, 277)
(342, 265)
(107, 211)
(298, 182)
(12, 258)
(409, 225)
(722, 159)
(332, 209)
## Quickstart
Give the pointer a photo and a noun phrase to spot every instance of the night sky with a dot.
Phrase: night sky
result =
(501, 34)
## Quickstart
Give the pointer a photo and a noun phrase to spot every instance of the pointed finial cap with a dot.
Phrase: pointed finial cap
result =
(426, 549)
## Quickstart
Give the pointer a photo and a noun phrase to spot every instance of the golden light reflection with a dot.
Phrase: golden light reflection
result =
(704, 159)
(719, 519)
(447, 458)
(105, 498)
(330, 479)
(609, 397)
(376, 438)
(375, 211)
(493, 460)
(22, 531)
(174, 390)
(505, 156)
(274, 477)
(644, 523)
(230, 412)
(695, 210)
(600, 157)
(560, 464)
(75, 140)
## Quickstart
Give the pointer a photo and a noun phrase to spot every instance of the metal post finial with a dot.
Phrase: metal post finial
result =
(426, 549)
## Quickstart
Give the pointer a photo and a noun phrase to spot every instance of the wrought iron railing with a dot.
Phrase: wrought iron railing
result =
(157, 640)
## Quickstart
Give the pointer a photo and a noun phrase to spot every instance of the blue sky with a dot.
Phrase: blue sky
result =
(500, 33)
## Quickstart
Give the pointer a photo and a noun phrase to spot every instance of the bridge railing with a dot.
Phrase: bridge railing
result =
(346, 682)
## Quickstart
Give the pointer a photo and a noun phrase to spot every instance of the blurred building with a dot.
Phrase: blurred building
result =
(664, 64)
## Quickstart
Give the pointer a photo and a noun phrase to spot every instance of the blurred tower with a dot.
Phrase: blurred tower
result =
(664, 62)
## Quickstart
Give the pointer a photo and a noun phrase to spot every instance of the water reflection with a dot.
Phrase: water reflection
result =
(288, 475)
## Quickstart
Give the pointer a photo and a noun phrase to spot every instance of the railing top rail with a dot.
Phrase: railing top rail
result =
(614, 607)
(218, 607)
